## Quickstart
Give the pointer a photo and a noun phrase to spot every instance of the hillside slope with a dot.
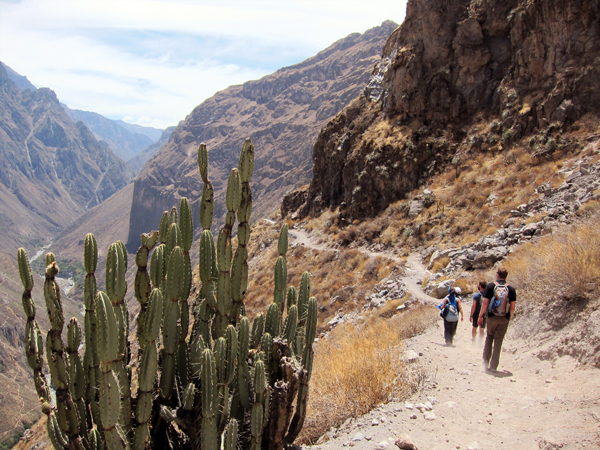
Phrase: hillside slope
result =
(281, 112)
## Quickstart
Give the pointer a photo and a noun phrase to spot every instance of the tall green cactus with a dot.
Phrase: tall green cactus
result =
(228, 384)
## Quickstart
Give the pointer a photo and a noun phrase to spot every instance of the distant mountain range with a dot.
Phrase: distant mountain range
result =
(125, 140)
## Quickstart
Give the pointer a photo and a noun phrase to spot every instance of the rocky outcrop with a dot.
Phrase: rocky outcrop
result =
(282, 113)
(454, 67)
(556, 207)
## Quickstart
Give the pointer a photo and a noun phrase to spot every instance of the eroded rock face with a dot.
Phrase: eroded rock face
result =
(452, 68)
(282, 113)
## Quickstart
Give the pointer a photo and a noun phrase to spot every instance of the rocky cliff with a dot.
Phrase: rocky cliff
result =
(457, 78)
(282, 113)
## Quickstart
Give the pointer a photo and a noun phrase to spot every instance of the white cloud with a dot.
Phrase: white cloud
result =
(152, 62)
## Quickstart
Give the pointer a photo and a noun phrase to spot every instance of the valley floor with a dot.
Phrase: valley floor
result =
(530, 404)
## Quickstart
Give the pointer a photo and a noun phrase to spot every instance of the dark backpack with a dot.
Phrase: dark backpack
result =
(499, 304)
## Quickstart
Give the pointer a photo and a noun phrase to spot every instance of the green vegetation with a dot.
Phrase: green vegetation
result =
(230, 384)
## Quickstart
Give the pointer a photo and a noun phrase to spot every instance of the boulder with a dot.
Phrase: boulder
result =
(532, 228)
(416, 206)
(487, 258)
(442, 289)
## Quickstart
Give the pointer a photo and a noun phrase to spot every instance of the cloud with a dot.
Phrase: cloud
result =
(152, 62)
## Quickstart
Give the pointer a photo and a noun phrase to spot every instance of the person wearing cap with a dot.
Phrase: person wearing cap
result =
(451, 318)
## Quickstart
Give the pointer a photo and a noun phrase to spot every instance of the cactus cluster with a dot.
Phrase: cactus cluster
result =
(217, 381)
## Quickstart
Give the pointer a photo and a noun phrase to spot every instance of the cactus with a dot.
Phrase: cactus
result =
(228, 384)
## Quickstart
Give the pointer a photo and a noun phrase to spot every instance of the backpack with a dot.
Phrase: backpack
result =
(451, 311)
(499, 304)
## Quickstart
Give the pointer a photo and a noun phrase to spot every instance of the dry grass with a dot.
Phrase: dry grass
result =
(440, 264)
(564, 264)
(359, 367)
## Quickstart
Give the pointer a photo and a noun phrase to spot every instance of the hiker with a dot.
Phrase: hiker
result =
(475, 308)
(450, 309)
(499, 302)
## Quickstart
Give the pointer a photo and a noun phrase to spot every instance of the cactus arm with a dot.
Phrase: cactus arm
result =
(33, 336)
(307, 363)
(116, 288)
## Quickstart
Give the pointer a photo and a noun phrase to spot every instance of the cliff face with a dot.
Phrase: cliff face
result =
(453, 72)
(281, 112)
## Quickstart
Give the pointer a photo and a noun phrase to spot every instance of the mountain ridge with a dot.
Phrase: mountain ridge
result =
(281, 112)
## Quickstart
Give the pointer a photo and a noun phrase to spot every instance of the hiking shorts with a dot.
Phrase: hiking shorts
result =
(476, 318)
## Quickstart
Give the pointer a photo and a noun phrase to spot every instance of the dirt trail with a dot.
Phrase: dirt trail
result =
(530, 404)
(413, 272)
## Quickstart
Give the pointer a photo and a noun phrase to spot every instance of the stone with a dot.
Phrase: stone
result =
(405, 443)
(413, 416)
(531, 229)
(375, 423)
(432, 400)
(416, 206)
(358, 437)
(410, 356)
(488, 258)
(382, 445)
(442, 288)
(509, 222)
(429, 415)
(409, 405)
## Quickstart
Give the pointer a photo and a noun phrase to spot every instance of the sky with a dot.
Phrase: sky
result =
(150, 62)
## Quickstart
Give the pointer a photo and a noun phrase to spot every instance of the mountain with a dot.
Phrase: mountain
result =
(457, 79)
(54, 167)
(20, 81)
(153, 133)
(281, 112)
(139, 160)
(125, 140)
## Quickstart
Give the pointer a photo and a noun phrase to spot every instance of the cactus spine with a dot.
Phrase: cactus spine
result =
(231, 384)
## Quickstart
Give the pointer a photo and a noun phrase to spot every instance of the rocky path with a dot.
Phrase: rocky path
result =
(530, 404)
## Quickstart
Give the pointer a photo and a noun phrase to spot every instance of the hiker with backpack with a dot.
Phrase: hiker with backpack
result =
(475, 308)
(450, 307)
(499, 302)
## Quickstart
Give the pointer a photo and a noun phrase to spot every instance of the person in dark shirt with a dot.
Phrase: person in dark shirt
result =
(496, 324)
(475, 308)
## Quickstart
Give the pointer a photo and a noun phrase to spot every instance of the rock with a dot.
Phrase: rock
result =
(429, 415)
(413, 416)
(509, 222)
(488, 258)
(474, 446)
(532, 228)
(428, 406)
(442, 288)
(410, 356)
(432, 400)
(416, 206)
(421, 407)
(375, 423)
(409, 405)
(405, 443)
(358, 437)
(382, 445)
